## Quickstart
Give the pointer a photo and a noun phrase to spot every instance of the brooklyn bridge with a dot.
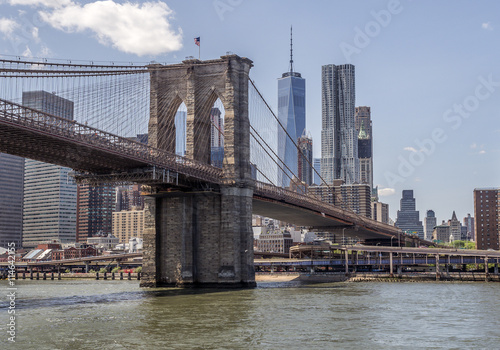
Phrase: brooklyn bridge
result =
(199, 214)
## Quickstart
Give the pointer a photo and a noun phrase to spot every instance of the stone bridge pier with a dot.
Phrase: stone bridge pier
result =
(201, 234)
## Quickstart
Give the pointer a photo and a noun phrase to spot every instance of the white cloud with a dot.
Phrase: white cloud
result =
(27, 52)
(385, 192)
(482, 151)
(141, 29)
(473, 146)
(36, 3)
(487, 26)
(34, 33)
(411, 149)
(7, 26)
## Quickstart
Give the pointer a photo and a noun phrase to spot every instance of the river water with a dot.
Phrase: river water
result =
(75, 314)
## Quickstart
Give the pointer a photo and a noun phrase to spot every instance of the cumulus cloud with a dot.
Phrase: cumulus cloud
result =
(487, 26)
(37, 3)
(143, 29)
(385, 192)
(482, 151)
(7, 26)
(411, 149)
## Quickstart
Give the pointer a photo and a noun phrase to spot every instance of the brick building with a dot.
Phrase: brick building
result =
(487, 217)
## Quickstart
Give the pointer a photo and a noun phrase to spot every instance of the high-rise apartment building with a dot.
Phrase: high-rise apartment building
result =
(339, 138)
(128, 224)
(487, 217)
(305, 159)
(408, 218)
(430, 222)
(292, 116)
(128, 198)
(380, 212)
(11, 200)
(355, 197)
(94, 214)
(469, 225)
(49, 211)
(363, 124)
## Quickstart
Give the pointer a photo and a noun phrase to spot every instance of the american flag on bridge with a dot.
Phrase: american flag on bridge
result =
(197, 41)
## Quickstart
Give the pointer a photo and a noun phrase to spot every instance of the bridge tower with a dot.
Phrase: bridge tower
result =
(201, 234)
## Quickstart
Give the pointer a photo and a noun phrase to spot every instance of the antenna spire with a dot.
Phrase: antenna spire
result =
(291, 51)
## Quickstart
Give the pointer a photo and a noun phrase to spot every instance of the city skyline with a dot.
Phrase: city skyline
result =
(431, 91)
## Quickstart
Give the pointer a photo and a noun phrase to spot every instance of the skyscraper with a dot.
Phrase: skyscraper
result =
(304, 159)
(180, 133)
(380, 212)
(455, 228)
(487, 218)
(292, 116)
(49, 192)
(430, 222)
(469, 224)
(408, 219)
(365, 144)
(216, 138)
(339, 139)
(95, 207)
(11, 199)
(317, 171)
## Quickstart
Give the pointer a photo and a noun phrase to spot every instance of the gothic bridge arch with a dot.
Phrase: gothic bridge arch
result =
(201, 238)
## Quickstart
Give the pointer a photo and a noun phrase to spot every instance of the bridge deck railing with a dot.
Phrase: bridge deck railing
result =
(310, 202)
(83, 134)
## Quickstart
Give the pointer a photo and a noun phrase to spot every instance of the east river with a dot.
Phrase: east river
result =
(76, 314)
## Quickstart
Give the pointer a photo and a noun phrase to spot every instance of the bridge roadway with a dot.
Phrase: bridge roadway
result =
(33, 134)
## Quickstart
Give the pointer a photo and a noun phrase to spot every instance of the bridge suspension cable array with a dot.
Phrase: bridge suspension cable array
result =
(116, 100)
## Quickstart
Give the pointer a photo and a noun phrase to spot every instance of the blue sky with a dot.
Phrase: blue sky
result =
(430, 71)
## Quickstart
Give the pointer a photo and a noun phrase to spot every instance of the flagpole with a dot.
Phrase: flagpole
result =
(199, 50)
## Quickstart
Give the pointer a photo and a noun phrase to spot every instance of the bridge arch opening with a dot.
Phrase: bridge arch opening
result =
(217, 113)
(180, 130)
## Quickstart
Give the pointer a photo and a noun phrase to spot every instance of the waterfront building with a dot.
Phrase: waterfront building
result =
(365, 144)
(430, 222)
(441, 233)
(49, 211)
(408, 218)
(11, 200)
(275, 242)
(380, 212)
(103, 242)
(469, 224)
(304, 159)
(487, 217)
(339, 138)
(94, 211)
(128, 224)
(292, 116)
